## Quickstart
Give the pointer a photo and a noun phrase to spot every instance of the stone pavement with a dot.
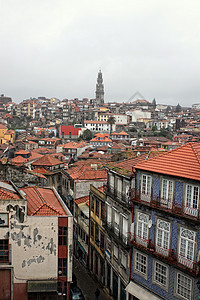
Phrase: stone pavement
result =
(86, 283)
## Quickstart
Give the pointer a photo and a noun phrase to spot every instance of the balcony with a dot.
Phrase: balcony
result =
(119, 237)
(168, 255)
(119, 196)
(166, 205)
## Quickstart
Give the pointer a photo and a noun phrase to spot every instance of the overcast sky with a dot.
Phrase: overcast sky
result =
(54, 48)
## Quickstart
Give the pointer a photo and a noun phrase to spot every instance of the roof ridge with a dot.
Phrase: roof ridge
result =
(39, 195)
(194, 150)
(162, 154)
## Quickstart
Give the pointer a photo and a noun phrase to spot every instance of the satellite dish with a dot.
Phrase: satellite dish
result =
(149, 223)
(4, 160)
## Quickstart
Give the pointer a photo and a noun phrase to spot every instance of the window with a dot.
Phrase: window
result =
(146, 188)
(187, 240)
(116, 252)
(62, 267)
(101, 240)
(92, 229)
(125, 230)
(109, 215)
(124, 260)
(116, 223)
(92, 203)
(162, 236)
(97, 235)
(62, 290)
(62, 236)
(160, 274)
(97, 207)
(141, 263)
(184, 286)
(111, 180)
(167, 190)
(108, 246)
(142, 228)
(4, 250)
(192, 200)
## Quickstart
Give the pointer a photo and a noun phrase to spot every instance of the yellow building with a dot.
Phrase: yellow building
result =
(6, 136)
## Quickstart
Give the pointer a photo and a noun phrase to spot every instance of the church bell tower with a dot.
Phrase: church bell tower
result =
(99, 89)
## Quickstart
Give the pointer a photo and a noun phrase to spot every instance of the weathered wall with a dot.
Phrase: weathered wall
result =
(83, 187)
(34, 242)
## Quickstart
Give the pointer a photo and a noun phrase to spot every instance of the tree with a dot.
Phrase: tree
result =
(111, 121)
(87, 135)
(154, 128)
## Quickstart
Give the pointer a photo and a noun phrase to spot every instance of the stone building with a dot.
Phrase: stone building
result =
(36, 241)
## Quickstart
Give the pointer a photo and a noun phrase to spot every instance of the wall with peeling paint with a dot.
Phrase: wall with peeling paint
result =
(33, 240)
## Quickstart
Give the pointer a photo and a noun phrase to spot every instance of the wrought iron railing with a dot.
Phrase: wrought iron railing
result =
(115, 232)
(119, 196)
(165, 204)
(168, 255)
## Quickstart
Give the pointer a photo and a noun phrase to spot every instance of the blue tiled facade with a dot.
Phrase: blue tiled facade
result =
(176, 221)
(178, 194)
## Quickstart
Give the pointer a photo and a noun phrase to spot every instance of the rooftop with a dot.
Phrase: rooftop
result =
(42, 202)
(183, 161)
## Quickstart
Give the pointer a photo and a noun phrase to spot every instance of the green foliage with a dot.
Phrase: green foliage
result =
(87, 135)
(154, 128)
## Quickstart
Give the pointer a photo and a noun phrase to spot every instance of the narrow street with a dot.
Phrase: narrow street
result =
(86, 283)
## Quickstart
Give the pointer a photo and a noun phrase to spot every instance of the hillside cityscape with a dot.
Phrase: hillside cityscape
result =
(99, 200)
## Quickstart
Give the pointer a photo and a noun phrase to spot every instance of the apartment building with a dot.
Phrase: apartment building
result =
(165, 233)
(36, 241)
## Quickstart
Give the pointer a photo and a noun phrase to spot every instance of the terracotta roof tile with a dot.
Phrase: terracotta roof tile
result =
(7, 195)
(22, 152)
(47, 160)
(183, 161)
(85, 172)
(42, 202)
(82, 200)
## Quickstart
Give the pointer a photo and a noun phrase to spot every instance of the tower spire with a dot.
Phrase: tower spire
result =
(99, 89)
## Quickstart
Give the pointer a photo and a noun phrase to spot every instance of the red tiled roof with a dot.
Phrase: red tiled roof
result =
(82, 200)
(103, 139)
(42, 202)
(34, 155)
(18, 160)
(7, 195)
(74, 145)
(126, 166)
(183, 161)
(22, 152)
(120, 133)
(85, 172)
(47, 160)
